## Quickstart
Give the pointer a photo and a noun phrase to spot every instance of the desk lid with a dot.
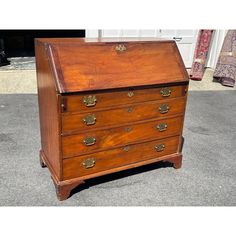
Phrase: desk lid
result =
(93, 64)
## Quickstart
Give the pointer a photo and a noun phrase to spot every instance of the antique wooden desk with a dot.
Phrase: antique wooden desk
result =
(108, 105)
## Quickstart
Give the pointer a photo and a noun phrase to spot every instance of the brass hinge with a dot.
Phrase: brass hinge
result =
(63, 104)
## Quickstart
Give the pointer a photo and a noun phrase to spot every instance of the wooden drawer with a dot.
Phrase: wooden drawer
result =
(74, 145)
(88, 102)
(119, 116)
(101, 161)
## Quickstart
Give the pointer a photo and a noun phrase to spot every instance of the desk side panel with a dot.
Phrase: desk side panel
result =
(48, 100)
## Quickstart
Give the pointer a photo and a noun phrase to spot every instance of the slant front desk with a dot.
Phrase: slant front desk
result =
(108, 105)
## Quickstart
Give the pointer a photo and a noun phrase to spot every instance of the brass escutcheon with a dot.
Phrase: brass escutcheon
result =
(126, 148)
(165, 92)
(164, 108)
(130, 94)
(121, 48)
(89, 141)
(89, 163)
(90, 100)
(162, 127)
(130, 109)
(89, 119)
(160, 147)
(128, 129)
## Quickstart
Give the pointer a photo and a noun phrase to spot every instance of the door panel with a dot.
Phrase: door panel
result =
(185, 39)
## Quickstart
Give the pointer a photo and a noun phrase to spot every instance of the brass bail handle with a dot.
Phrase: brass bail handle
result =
(89, 163)
(90, 119)
(121, 48)
(164, 108)
(160, 147)
(89, 141)
(90, 100)
(165, 92)
(162, 127)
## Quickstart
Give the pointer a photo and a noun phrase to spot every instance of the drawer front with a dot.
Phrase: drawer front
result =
(98, 100)
(106, 160)
(92, 141)
(142, 111)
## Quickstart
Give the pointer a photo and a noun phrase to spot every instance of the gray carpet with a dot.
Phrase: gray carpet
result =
(207, 177)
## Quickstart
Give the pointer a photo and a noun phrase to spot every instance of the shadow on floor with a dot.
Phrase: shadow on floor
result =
(119, 175)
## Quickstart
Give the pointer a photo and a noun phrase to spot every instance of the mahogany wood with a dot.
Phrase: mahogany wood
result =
(177, 161)
(48, 100)
(63, 189)
(127, 77)
(104, 160)
(126, 114)
(107, 99)
(73, 145)
(102, 66)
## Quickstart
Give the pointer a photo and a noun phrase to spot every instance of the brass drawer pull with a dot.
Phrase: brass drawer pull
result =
(90, 100)
(89, 119)
(165, 92)
(130, 94)
(89, 141)
(89, 163)
(160, 147)
(164, 108)
(121, 48)
(162, 127)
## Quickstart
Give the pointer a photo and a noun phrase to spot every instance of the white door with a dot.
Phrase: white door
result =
(185, 39)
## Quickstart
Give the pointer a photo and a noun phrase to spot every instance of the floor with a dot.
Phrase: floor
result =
(20, 77)
(19, 63)
(207, 177)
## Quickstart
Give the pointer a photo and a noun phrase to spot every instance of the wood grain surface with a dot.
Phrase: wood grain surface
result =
(121, 116)
(73, 167)
(110, 98)
(89, 66)
(73, 145)
(48, 100)
(123, 128)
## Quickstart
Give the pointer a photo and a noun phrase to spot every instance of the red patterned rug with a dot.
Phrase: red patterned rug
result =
(200, 54)
(225, 71)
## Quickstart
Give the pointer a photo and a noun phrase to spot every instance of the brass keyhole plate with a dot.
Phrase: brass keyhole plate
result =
(130, 94)
(126, 148)
(130, 109)
(128, 129)
(121, 48)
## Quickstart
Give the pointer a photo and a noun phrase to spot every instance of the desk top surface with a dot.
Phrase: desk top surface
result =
(81, 64)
